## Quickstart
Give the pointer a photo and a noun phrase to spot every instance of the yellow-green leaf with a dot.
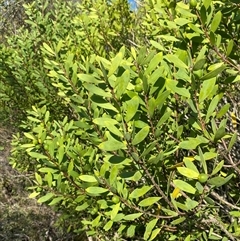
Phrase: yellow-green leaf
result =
(187, 172)
(141, 135)
(216, 21)
(88, 178)
(184, 186)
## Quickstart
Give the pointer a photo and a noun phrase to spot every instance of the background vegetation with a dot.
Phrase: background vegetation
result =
(127, 121)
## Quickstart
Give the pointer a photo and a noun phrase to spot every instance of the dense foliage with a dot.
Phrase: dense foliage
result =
(125, 115)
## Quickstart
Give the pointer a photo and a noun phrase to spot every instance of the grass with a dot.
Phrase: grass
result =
(22, 218)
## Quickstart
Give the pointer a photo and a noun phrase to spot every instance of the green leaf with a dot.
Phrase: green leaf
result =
(192, 143)
(150, 226)
(29, 136)
(207, 88)
(103, 103)
(113, 175)
(213, 73)
(37, 155)
(122, 83)
(189, 164)
(34, 194)
(207, 3)
(82, 207)
(218, 167)
(109, 124)
(219, 181)
(96, 90)
(235, 214)
(55, 201)
(169, 212)
(49, 50)
(139, 192)
(61, 152)
(149, 201)
(181, 21)
(199, 64)
(131, 108)
(220, 133)
(96, 190)
(176, 61)
(169, 38)
(141, 135)
(88, 178)
(230, 47)
(112, 145)
(155, 61)
(212, 107)
(191, 204)
(184, 186)
(223, 110)
(162, 97)
(131, 231)
(131, 217)
(202, 160)
(141, 55)
(149, 148)
(172, 85)
(108, 225)
(164, 118)
(232, 141)
(118, 160)
(45, 198)
(104, 121)
(96, 221)
(216, 21)
(178, 221)
(38, 178)
(188, 172)
(115, 210)
(88, 78)
(155, 232)
(188, 238)
(157, 45)
(115, 63)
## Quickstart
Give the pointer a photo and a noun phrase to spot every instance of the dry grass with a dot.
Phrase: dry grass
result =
(21, 218)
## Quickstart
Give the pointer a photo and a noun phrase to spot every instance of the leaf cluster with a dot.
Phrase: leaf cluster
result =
(130, 134)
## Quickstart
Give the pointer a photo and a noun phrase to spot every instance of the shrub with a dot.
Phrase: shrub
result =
(144, 151)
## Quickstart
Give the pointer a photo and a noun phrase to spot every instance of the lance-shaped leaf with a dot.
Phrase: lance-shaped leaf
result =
(109, 124)
(172, 85)
(131, 217)
(141, 135)
(176, 61)
(139, 192)
(96, 90)
(150, 226)
(45, 198)
(132, 107)
(207, 88)
(37, 155)
(184, 186)
(115, 210)
(122, 83)
(149, 201)
(216, 21)
(214, 72)
(188, 172)
(219, 181)
(96, 190)
(88, 178)
(115, 63)
(112, 145)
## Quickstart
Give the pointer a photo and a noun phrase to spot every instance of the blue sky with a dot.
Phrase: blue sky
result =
(133, 4)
